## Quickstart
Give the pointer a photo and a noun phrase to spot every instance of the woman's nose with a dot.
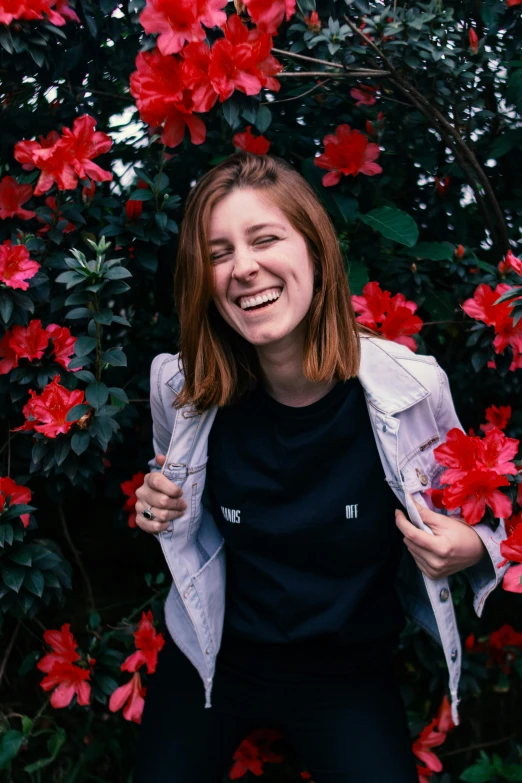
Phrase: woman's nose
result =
(245, 266)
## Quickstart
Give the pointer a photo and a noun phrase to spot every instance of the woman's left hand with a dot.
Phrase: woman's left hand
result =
(454, 546)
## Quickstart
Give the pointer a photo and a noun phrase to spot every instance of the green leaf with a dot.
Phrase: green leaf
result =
(6, 534)
(393, 224)
(432, 251)
(54, 744)
(6, 307)
(115, 357)
(61, 449)
(106, 684)
(79, 312)
(21, 555)
(10, 744)
(141, 194)
(13, 576)
(34, 582)
(117, 273)
(231, 109)
(77, 411)
(104, 316)
(263, 118)
(357, 277)
(97, 394)
(161, 220)
(84, 345)
(80, 442)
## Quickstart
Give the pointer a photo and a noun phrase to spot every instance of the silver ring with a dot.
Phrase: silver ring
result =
(148, 513)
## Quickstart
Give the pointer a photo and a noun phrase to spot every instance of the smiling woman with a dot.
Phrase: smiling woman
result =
(288, 579)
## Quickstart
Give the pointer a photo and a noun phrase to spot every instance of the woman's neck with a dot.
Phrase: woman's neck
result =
(284, 379)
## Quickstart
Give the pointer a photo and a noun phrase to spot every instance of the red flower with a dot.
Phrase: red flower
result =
(12, 196)
(48, 411)
(510, 263)
(473, 41)
(267, 15)
(245, 141)
(482, 307)
(512, 581)
(180, 21)
(480, 488)
(429, 738)
(444, 720)
(459, 454)
(129, 488)
(67, 680)
(63, 345)
(64, 159)
(496, 417)
(161, 97)
(35, 9)
(510, 3)
(148, 642)
(314, 24)
(511, 548)
(88, 193)
(460, 251)
(364, 95)
(132, 695)
(347, 152)
(50, 202)
(253, 752)
(442, 185)
(133, 209)
(8, 358)
(17, 493)
(16, 268)
(242, 61)
(196, 62)
(62, 674)
(389, 315)
(63, 646)
(29, 342)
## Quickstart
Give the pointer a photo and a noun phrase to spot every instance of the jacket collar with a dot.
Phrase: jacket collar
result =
(388, 386)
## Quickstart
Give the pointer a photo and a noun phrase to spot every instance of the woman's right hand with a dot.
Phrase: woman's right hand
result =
(163, 496)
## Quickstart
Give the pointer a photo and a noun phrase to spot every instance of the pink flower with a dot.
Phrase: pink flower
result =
(132, 695)
(148, 642)
(16, 268)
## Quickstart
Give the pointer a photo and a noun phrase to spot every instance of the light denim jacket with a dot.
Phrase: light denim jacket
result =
(411, 410)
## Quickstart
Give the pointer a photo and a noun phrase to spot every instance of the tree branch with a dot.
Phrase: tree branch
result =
(78, 560)
(8, 651)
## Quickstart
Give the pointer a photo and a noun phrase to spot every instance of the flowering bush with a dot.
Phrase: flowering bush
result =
(405, 121)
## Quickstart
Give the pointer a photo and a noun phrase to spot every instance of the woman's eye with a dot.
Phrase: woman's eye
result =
(215, 258)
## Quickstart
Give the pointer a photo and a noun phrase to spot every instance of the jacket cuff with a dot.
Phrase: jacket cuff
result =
(484, 576)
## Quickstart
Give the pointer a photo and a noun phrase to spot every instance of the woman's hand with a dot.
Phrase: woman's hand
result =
(163, 496)
(454, 546)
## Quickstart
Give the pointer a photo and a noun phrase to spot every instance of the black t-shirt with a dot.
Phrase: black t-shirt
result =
(300, 497)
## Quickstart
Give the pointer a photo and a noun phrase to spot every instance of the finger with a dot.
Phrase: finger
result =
(163, 515)
(150, 497)
(151, 525)
(160, 459)
(406, 527)
(423, 565)
(160, 483)
(433, 567)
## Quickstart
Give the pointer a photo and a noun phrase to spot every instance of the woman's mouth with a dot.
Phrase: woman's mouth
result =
(260, 301)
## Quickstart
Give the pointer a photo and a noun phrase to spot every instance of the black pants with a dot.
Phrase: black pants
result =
(342, 712)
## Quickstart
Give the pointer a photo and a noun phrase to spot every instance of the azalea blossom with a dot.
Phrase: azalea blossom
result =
(313, 22)
(62, 673)
(430, 737)
(392, 316)
(16, 267)
(46, 412)
(242, 61)
(18, 495)
(268, 15)
(347, 152)
(511, 548)
(63, 345)
(246, 141)
(473, 41)
(180, 21)
(510, 3)
(62, 159)
(129, 488)
(131, 697)
(31, 342)
(460, 251)
(36, 9)
(496, 417)
(253, 752)
(442, 185)
(479, 489)
(12, 197)
(196, 62)
(148, 643)
(163, 99)
(510, 264)
(499, 646)
(364, 95)
(482, 307)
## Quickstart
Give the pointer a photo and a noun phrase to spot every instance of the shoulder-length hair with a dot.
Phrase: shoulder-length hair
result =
(218, 364)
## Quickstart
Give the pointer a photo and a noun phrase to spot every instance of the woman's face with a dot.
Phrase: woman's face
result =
(263, 274)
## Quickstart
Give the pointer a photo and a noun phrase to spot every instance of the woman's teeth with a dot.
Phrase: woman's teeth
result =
(262, 299)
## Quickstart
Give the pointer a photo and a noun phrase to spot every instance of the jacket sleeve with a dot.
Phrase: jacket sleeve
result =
(161, 428)
(484, 576)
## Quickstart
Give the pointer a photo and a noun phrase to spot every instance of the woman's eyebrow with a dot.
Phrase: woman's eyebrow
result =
(250, 230)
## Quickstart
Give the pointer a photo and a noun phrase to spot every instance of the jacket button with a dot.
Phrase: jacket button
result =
(423, 479)
(384, 427)
(444, 594)
(454, 654)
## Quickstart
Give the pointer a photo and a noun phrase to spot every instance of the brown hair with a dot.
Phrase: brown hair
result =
(218, 364)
